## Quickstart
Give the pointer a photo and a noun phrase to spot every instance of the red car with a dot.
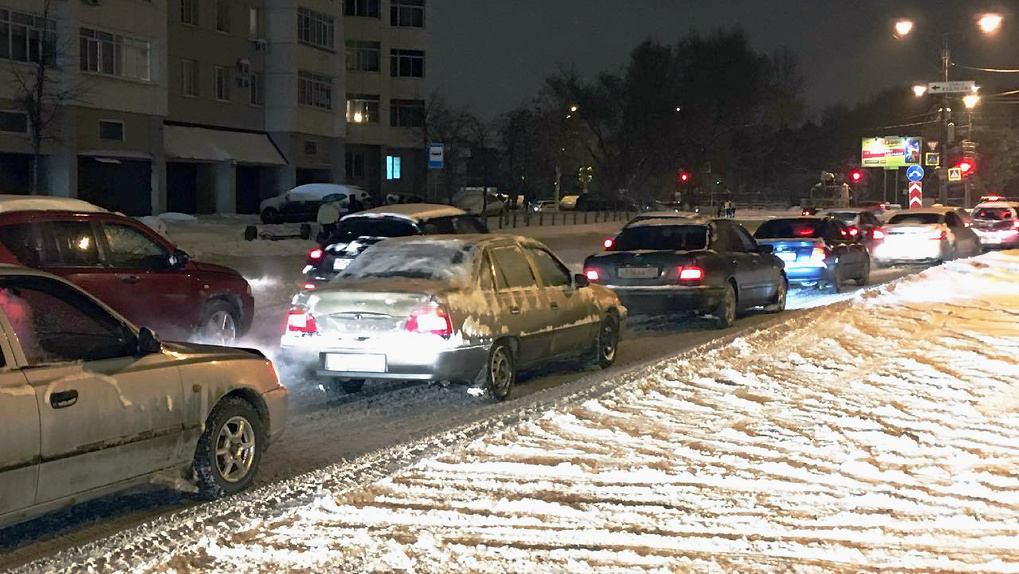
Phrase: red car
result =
(128, 266)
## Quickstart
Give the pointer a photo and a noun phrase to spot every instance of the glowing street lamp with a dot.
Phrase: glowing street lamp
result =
(970, 100)
(990, 23)
(919, 90)
(903, 28)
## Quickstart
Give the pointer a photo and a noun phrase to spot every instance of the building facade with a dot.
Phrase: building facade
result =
(203, 106)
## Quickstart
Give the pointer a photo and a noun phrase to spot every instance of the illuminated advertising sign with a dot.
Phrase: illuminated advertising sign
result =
(891, 151)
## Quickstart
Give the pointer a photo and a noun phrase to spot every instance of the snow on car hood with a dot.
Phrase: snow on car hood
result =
(193, 350)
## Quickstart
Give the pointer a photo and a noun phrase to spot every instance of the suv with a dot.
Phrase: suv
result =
(127, 265)
(996, 223)
(356, 232)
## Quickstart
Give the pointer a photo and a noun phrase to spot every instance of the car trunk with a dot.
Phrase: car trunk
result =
(792, 250)
(994, 224)
(640, 268)
(344, 312)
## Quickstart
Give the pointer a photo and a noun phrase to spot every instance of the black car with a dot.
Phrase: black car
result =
(697, 265)
(356, 232)
(817, 251)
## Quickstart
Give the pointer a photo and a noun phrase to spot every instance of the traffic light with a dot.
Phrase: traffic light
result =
(966, 167)
(856, 176)
(684, 176)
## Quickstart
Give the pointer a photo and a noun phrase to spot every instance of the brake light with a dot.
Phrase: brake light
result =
(608, 243)
(805, 231)
(309, 286)
(691, 274)
(430, 319)
(315, 255)
(300, 321)
(937, 235)
(592, 274)
(877, 234)
(853, 231)
(818, 255)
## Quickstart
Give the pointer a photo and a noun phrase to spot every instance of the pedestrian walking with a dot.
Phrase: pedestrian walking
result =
(329, 213)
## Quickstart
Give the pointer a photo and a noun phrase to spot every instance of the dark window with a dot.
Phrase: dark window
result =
(223, 15)
(310, 148)
(917, 218)
(73, 244)
(363, 56)
(553, 273)
(361, 8)
(111, 131)
(952, 220)
(992, 213)
(353, 227)
(662, 237)
(407, 63)
(132, 249)
(354, 164)
(24, 36)
(315, 29)
(56, 324)
(745, 240)
(847, 217)
(512, 269)
(24, 242)
(790, 229)
(407, 113)
(314, 90)
(14, 122)
(834, 231)
(408, 13)
(469, 224)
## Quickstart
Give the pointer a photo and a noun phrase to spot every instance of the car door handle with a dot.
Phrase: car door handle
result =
(514, 310)
(553, 305)
(130, 279)
(63, 399)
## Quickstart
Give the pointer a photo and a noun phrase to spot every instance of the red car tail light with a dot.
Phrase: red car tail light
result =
(309, 286)
(853, 231)
(877, 234)
(299, 320)
(691, 274)
(315, 255)
(430, 319)
(608, 243)
(818, 255)
(592, 274)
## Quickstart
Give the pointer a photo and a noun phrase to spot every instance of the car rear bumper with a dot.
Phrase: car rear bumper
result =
(277, 401)
(1004, 238)
(422, 363)
(668, 298)
(908, 251)
(800, 275)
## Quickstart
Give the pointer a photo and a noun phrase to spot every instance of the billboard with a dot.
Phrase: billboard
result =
(891, 151)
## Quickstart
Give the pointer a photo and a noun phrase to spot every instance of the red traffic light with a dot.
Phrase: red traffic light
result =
(856, 175)
(965, 167)
(684, 176)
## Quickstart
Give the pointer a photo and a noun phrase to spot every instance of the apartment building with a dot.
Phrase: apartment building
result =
(207, 106)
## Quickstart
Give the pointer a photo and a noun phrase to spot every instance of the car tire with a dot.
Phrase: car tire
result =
(218, 324)
(607, 342)
(864, 278)
(780, 298)
(271, 215)
(229, 449)
(838, 282)
(725, 313)
(349, 386)
(500, 371)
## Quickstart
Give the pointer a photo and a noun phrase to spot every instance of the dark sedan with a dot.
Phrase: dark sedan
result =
(817, 251)
(696, 265)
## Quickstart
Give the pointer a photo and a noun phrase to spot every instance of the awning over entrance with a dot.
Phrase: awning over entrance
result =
(201, 144)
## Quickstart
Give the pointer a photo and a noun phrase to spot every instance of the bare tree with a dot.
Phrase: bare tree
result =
(38, 90)
(450, 126)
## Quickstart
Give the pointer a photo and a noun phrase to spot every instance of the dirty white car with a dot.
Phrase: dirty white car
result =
(463, 308)
(91, 405)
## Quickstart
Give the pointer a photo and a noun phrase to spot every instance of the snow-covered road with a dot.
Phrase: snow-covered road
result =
(875, 434)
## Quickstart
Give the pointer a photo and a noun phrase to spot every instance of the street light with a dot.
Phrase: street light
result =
(919, 90)
(903, 28)
(558, 158)
(970, 100)
(990, 23)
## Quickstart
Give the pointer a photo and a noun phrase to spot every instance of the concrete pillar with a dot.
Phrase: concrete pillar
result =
(59, 173)
(225, 186)
(158, 185)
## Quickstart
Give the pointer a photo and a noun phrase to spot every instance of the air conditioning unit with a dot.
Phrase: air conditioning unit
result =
(261, 45)
(243, 67)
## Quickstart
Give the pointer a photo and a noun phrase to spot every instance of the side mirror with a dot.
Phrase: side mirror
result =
(148, 343)
(765, 249)
(178, 259)
(580, 281)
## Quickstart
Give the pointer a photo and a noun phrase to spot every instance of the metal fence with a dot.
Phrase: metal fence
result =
(514, 219)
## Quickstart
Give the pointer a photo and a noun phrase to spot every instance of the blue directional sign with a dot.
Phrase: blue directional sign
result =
(436, 155)
(914, 173)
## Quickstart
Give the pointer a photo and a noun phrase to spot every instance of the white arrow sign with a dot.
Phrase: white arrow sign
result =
(958, 87)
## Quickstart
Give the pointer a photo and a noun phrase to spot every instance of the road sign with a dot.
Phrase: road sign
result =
(914, 173)
(958, 87)
(436, 155)
(932, 159)
(915, 195)
(954, 174)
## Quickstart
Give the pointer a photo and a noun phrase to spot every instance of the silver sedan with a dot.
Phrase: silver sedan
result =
(459, 308)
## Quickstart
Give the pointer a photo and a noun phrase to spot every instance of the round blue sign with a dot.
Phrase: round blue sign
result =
(914, 173)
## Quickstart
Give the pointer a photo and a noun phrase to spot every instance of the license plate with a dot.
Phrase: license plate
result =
(355, 363)
(638, 272)
(787, 256)
(340, 263)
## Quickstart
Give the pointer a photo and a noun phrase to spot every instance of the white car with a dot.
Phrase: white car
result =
(302, 202)
(91, 405)
(997, 223)
(927, 234)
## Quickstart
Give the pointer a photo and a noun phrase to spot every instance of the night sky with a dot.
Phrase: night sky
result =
(493, 54)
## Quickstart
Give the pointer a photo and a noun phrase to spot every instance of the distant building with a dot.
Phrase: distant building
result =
(212, 105)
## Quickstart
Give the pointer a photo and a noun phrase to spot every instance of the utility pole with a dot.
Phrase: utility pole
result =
(946, 128)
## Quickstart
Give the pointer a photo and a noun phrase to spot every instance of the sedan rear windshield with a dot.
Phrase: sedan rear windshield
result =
(789, 228)
(920, 218)
(993, 213)
(847, 217)
(354, 227)
(662, 237)
(442, 260)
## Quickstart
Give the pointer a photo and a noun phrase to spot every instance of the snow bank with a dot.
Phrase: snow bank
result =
(878, 434)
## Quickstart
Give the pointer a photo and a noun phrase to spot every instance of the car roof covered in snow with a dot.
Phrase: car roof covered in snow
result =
(465, 239)
(1001, 203)
(12, 203)
(669, 220)
(320, 190)
(412, 211)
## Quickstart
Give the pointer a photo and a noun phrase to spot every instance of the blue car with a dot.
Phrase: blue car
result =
(818, 251)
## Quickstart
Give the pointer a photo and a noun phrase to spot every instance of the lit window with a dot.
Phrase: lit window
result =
(392, 167)
(362, 109)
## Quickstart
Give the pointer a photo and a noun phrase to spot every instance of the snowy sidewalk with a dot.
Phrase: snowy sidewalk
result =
(879, 434)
